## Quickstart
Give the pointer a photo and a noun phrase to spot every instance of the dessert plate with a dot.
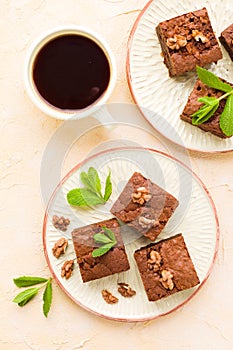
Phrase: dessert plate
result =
(195, 217)
(160, 98)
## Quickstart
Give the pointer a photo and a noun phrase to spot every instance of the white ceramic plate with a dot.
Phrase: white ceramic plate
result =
(195, 217)
(161, 98)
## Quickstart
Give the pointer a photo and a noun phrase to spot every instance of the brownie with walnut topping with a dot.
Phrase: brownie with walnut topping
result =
(114, 261)
(166, 267)
(187, 41)
(144, 206)
(226, 39)
(213, 124)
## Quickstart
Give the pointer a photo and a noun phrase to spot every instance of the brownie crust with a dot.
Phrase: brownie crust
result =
(195, 52)
(213, 124)
(158, 209)
(114, 261)
(175, 258)
(226, 39)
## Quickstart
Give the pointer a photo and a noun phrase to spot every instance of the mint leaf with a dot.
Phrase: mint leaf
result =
(204, 114)
(108, 187)
(226, 118)
(82, 197)
(91, 194)
(27, 281)
(109, 233)
(22, 298)
(210, 101)
(47, 298)
(102, 250)
(85, 180)
(212, 80)
(94, 180)
(101, 238)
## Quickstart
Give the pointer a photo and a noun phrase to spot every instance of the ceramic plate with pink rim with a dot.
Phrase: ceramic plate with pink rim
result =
(195, 218)
(160, 98)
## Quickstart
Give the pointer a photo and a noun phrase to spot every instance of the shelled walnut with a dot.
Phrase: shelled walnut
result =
(108, 297)
(141, 195)
(176, 42)
(166, 279)
(67, 269)
(60, 247)
(147, 223)
(125, 290)
(154, 262)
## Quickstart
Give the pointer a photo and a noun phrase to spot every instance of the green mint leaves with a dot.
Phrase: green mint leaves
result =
(211, 80)
(28, 294)
(211, 104)
(91, 194)
(226, 119)
(107, 239)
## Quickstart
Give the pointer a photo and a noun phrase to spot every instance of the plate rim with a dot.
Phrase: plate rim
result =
(75, 168)
(130, 85)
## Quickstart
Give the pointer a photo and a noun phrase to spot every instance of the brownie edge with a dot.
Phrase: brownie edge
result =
(144, 206)
(187, 41)
(166, 267)
(114, 261)
(226, 39)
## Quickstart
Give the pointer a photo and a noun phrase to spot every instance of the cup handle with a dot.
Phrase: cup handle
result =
(104, 117)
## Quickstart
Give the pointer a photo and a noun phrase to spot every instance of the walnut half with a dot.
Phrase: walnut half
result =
(108, 297)
(198, 36)
(60, 247)
(67, 269)
(166, 279)
(141, 195)
(146, 222)
(176, 42)
(154, 262)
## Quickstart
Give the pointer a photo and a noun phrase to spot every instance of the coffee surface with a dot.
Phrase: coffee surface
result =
(71, 72)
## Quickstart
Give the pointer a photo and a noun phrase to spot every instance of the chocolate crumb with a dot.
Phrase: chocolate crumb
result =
(60, 223)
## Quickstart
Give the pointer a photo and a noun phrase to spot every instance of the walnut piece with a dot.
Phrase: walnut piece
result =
(198, 36)
(60, 223)
(141, 195)
(166, 279)
(67, 269)
(60, 247)
(146, 222)
(176, 42)
(155, 260)
(108, 297)
(125, 290)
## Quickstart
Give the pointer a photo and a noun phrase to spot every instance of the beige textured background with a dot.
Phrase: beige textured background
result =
(206, 322)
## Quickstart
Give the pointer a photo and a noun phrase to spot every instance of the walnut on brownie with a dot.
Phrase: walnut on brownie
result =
(144, 206)
(187, 41)
(166, 267)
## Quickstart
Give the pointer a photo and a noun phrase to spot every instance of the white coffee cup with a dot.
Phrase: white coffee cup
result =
(31, 88)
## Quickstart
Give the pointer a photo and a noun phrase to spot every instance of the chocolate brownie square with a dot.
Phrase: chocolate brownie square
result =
(226, 39)
(213, 124)
(114, 261)
(187, 41)
(166, 267)
(144, 206)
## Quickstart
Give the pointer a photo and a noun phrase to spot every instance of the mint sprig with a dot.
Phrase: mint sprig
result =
(211, 104)
(91, 194)
(28, 294)
(107, 239)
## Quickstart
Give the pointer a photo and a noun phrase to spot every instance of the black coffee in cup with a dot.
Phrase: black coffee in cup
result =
(71, 72)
